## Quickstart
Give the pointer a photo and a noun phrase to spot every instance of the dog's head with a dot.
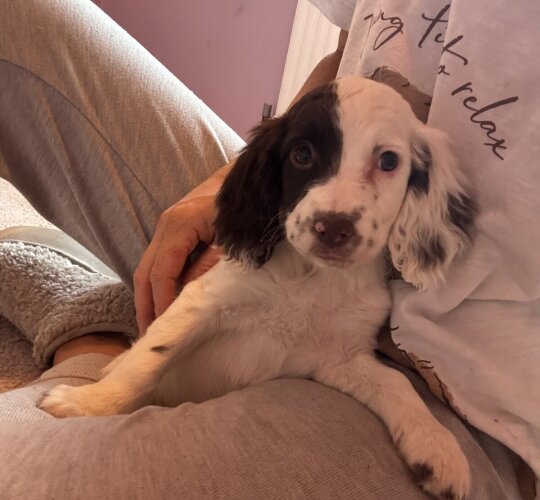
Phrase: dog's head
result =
(347, 172)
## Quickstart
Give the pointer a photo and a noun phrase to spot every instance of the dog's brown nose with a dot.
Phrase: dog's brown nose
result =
(333, 230)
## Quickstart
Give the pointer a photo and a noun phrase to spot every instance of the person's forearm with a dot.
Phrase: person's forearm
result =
(324, 72)
(211, 185)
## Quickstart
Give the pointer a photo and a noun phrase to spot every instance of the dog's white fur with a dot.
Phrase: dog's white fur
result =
(301, 316)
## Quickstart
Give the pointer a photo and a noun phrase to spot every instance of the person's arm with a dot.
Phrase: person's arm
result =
(325, 71)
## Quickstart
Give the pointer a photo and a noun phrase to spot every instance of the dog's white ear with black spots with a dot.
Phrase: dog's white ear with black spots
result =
(435, 222)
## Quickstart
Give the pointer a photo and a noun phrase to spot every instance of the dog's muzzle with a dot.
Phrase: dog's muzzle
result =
(334, 237)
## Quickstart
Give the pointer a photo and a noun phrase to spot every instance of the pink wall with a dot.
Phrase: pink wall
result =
(231, 53)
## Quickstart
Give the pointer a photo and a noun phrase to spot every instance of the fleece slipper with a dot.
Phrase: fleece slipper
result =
(53, 290)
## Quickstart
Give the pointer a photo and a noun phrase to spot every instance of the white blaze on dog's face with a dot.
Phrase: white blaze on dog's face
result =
(346, 172)
(349, 206)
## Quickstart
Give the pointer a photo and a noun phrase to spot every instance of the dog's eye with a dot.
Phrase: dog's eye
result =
(388, 161)
(302, 156)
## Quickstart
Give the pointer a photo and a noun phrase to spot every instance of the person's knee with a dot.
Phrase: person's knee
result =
(33, 32)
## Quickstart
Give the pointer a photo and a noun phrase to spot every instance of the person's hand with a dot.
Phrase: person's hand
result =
(206, 261)
(165, 265)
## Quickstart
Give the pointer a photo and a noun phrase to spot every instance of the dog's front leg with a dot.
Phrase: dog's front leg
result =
(430, 450)
(186, 324)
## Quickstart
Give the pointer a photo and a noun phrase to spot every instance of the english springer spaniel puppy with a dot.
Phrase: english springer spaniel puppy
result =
(310, 214)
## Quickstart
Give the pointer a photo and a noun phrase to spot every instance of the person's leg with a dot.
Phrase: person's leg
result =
(280, 439)
(94, 131)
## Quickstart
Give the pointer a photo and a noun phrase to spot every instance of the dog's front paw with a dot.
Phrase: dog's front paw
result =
(86, 400)
(63, 401)
(437, 461)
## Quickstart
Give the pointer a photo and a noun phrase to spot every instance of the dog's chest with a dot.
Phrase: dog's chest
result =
(311, 313)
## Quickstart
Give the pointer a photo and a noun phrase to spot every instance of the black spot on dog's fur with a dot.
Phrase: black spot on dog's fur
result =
(462, 212)
(356, 214)
(422, 472)
(419, 181)
(264, 184)
(160, 348)
(421, 165)
(305, 225)
(431, 252)
(448, 494)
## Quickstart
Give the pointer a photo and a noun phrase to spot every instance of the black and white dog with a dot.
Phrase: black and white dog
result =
(308, 216)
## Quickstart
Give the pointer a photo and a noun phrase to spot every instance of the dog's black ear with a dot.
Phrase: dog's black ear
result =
(247, 224)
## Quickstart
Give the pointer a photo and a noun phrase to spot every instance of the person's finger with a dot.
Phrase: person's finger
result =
(144, 306)
(168, 265)
(208, 259)
(144, 301)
